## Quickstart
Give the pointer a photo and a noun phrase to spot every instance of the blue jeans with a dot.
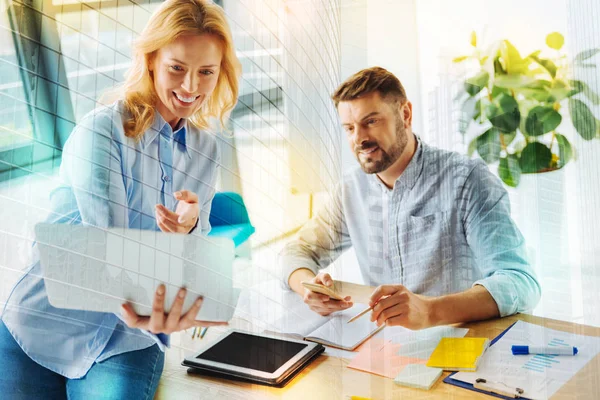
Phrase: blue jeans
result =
(132, 375)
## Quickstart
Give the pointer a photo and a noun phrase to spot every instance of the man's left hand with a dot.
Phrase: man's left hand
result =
(395, 305)
(185, 216)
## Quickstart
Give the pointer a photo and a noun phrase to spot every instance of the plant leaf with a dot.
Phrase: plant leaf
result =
(541, 120)
(584, 121)
(547, 64)
(579, 86)
(469, 112)
(509, 170)
(559, 91)
(512, 81)
(473, 39)
(513, 62)
(488, 145)
(497, 91)
(555, 40)
(459, 59)
(565, 151)
(474, 84)
(584, 55)
(539, 84)
(504, 113)
(535, 157)
(508, 137)
(540, 95)
(498, 68)
(472, 147)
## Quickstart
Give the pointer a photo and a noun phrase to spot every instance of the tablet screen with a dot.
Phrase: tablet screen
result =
(253, 352)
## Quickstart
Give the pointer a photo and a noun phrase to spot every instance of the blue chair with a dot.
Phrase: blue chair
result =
(229, 218)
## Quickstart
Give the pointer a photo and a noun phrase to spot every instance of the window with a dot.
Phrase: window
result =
(57, 57)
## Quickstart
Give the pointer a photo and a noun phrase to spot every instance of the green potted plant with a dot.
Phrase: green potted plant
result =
(522, 101)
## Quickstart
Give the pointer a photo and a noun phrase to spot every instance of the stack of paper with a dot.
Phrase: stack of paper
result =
(418, 376)
(458, 354)
(540, 376)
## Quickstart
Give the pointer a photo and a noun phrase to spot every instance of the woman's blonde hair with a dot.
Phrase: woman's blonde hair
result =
(171, 20)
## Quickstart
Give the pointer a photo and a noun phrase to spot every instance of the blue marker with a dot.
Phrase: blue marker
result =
(547, 350)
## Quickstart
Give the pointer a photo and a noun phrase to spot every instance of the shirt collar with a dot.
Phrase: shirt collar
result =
(409, 177)
(160, 126)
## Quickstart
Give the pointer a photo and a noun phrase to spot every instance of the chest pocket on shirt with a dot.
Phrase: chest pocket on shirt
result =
(426, 252)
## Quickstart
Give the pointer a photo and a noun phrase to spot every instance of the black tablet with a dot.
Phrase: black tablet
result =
(264, 359)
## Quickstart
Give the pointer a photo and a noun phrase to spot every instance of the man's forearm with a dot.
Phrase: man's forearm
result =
(299, 275)
(474, 304)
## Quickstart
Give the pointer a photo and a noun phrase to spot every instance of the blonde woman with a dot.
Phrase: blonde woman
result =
(144, 162)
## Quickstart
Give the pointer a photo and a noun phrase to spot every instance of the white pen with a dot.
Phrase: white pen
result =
(547, 350)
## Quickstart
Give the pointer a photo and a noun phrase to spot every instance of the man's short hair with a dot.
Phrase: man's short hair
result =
(369, 80)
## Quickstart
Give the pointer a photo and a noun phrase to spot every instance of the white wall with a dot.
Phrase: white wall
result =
(382, 33)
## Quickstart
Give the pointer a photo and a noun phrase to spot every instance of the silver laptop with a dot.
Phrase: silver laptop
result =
(88, 268)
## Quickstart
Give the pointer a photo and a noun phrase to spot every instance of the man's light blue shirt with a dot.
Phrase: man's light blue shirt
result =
(109, 180)
(445, 226)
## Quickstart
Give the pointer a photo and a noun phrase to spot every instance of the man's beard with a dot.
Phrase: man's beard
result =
(388, 157)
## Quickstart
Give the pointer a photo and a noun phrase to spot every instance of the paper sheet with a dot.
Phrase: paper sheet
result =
(271, 307)
(276, 309)
(418, 376)
(540, 376)
(380, 357)
(388, 352)
(337, 330)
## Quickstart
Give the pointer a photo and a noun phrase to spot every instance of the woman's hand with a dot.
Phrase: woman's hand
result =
(185, 216)
(159, 322)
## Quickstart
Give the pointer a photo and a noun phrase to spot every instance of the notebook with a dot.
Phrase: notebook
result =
(333, 330)
(418, 376)
(458, 354)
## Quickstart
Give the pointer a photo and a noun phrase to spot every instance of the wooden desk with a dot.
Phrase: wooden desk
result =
(328, 377)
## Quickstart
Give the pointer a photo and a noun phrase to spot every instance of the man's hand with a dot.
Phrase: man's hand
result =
(185, 216)
(321, 303)
(159, 322)
(395, 305)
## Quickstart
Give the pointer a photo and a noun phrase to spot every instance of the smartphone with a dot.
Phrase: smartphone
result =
(318, 288)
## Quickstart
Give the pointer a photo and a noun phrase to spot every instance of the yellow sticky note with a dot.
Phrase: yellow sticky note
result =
(458, 354)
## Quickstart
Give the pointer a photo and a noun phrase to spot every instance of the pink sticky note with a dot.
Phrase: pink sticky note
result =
(380, 357)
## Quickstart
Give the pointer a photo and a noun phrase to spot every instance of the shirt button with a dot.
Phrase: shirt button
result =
(166, 178)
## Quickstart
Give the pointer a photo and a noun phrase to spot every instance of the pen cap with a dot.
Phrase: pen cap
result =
(517, 350)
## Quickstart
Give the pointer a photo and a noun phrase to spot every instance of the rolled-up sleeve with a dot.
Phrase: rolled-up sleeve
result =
(319, 242)
(497, 243)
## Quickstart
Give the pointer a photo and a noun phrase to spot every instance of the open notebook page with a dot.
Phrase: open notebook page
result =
(274, 309)
(336, 332)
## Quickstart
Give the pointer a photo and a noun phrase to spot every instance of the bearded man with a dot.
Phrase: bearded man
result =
(431, 228)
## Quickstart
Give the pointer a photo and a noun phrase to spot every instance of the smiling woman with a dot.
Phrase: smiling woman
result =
(184, 86)
(177, 56)
(145, 161)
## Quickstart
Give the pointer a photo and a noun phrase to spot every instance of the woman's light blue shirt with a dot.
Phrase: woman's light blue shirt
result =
(109, 180)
